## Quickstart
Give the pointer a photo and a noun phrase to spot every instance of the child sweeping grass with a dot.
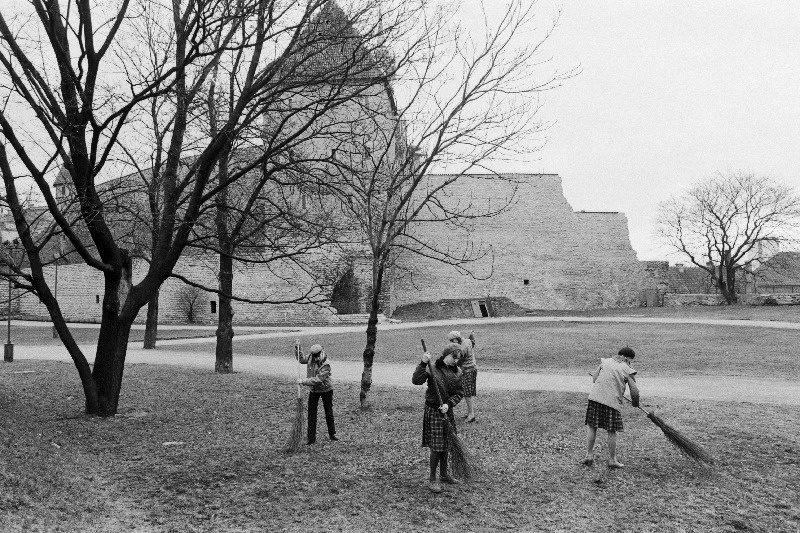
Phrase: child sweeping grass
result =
(605, 402)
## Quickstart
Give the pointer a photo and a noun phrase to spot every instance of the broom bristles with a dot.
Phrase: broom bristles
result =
(680, 441)
(295, 441)
(462, 463)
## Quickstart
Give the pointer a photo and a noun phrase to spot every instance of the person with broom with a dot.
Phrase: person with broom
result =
(318, 377)
(445, 375)
(469, 368)
(605, 402)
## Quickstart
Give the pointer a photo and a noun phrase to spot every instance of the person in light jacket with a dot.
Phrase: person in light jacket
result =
(605, 402)
(318, 378)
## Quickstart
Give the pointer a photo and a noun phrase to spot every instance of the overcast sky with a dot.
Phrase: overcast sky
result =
(670, 92)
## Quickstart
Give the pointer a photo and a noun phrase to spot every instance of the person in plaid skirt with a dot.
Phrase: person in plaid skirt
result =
(469, 369)
(605, 402)
(447, 376)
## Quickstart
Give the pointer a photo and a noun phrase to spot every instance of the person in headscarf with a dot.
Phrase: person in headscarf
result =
(469, 366)
(318, 377)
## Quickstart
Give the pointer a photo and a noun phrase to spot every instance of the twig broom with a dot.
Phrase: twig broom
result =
(690, 449)
(462, 464)
(295, 441)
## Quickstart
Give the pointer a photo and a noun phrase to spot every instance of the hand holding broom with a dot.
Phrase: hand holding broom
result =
(462, 464)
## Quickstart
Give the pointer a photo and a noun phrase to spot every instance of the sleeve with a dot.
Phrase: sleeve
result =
(420, 375)
(456, 396)
(304, 357)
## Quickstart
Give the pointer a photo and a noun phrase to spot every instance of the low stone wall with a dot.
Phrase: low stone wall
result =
(679, 300)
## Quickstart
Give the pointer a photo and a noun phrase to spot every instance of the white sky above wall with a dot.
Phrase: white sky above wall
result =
(671, 91)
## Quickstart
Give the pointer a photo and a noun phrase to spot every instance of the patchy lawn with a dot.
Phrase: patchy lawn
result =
(570, 347)
(195, 451)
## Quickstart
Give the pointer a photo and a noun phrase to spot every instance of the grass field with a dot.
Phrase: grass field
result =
(570, 347)
(194, 451)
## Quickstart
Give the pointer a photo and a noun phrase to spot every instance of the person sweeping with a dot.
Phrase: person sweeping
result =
(318, 378)
(605, 402)
(446, 375)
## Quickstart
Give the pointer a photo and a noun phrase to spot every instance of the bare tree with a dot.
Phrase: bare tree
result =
(67, 104)
(729, 223)
(458, 100)
(187, 300)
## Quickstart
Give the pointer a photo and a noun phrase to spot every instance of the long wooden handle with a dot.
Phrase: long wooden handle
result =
(433, 376)
(299, 370)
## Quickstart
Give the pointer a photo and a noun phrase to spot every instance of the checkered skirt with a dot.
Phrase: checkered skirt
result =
(602, 416)
(434, 429)
(469, 379)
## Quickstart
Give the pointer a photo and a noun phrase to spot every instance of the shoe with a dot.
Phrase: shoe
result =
(464, 416)
(472, 419)
(334, 437)
(587, 462)
(309, 443)
(450, 480)
(435, 487)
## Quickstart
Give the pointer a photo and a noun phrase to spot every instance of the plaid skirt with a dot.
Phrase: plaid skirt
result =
(602, 416)
(469, 378)
(434, 429)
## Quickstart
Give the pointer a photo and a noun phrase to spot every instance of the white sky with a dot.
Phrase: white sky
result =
(670, 92)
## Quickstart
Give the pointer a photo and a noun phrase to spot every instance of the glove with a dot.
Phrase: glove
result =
(444, 408)
(635, 402)
(426, 357)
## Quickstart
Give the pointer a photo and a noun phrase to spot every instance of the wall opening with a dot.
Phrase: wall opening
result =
(213, 307)
(526, 282)
(97, 298)
(346, 294)
(479, 308)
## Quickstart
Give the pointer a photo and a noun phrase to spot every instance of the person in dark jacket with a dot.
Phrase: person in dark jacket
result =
(447, 377)
(318, 377)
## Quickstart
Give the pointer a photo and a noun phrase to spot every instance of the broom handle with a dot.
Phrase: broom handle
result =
(299, 369)
(433, 377)
(639, 407)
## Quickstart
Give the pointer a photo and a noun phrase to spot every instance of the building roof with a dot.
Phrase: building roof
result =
(783, 268)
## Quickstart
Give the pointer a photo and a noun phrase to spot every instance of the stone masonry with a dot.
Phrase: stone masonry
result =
(542, 254)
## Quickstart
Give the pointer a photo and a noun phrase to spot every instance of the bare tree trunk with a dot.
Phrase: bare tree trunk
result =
(109, 364)
(224, 361)
(112, 346)
(151, 326)
(224, 350)
(372, 336)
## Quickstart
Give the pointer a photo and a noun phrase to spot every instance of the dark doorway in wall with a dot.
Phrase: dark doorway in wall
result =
(346, 294)
(479, 308)
(213, 307)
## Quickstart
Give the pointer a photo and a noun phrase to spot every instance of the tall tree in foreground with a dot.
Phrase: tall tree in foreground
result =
(729, 223)
(458, 101)
(67, 105)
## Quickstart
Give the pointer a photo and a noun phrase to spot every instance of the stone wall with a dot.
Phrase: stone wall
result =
(679, 300)
(540, 253)
(80, 295)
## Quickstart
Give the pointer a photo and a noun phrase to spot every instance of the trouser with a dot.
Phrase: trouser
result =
(327, 404)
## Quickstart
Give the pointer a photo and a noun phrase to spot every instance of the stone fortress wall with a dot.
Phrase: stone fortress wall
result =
(80, 296)
(543, 255)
